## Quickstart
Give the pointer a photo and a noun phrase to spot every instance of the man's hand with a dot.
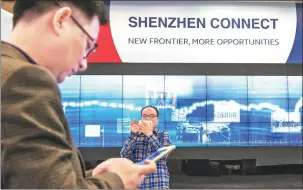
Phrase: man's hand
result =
(134, 126)
(131, 174)
(146, 129)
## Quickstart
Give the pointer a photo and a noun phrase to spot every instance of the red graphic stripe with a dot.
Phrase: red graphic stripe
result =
(106, 52)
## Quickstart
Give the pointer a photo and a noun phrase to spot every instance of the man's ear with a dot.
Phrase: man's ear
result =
(61, 18)
(8, 6)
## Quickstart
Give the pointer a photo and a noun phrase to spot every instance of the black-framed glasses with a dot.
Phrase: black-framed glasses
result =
(145, 116)
(91, 50)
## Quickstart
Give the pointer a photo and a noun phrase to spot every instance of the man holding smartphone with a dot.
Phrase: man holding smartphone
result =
(37, 149)
(145, 138)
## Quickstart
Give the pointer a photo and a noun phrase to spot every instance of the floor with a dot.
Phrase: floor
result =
(282, 181)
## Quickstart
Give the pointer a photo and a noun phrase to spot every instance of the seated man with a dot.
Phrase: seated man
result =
(145, 140)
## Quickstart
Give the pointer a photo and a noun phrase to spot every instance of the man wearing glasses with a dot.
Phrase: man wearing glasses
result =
(51, 40)
(145, 140)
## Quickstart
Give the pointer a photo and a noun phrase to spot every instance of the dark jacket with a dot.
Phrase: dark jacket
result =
(37, 150)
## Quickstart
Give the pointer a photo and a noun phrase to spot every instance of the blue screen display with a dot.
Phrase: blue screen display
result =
(194, 110)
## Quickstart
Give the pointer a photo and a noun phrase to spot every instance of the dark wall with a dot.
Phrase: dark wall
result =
(293, 154)
(194, 69)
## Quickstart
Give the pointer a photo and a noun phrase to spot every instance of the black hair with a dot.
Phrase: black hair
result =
(89, 7)
(149, 106)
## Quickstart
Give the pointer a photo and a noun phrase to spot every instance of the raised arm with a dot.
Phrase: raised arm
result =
(128, 147)
(160, 142)
(129, 144)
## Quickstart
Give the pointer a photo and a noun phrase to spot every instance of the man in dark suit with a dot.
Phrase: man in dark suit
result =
(50, 41)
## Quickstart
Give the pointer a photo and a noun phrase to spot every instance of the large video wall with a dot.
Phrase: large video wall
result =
(194, 110)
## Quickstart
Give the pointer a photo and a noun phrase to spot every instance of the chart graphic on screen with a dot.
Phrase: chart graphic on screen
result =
(194, 110)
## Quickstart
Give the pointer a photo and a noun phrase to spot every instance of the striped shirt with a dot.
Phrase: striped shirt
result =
(137, 147)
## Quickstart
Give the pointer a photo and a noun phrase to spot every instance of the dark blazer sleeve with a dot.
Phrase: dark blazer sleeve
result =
(35, 139)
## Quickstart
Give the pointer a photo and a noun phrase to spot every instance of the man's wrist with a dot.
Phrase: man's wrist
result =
(93, 173)
(148, 134)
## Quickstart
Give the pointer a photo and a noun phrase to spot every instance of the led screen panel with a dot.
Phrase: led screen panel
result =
(100, 110)
(70, 96)
(268, 106)
(138, 92)
(227, 111)
(294, 110)
(185, 109)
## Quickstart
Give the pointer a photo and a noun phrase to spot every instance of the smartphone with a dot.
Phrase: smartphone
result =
(160, 153)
